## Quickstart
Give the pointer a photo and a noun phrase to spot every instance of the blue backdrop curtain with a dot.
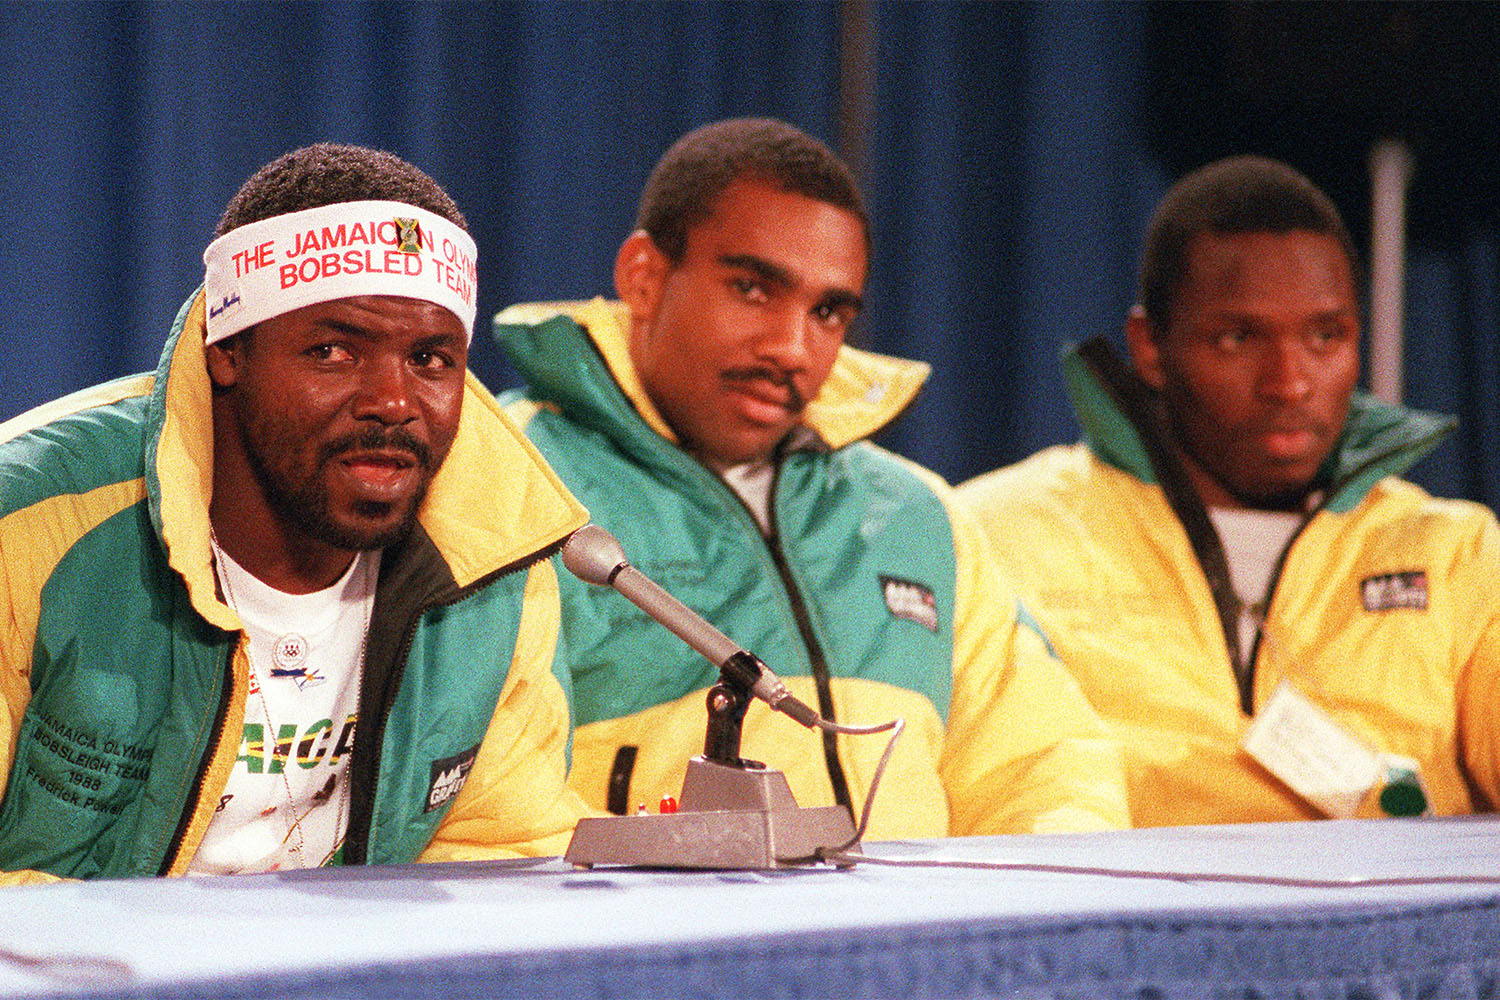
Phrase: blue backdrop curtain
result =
(1009, 172)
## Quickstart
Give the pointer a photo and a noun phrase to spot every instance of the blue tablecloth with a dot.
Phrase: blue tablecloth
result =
(1100, 927)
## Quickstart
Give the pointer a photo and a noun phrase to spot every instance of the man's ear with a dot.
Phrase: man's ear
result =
(226, 360)
(1145, 349)
(640, 270)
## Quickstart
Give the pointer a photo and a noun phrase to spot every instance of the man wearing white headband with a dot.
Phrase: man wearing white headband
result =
(286, 602)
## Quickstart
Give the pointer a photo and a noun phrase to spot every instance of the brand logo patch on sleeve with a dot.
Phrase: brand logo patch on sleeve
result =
(448, 777)
(1394, 590)
(911, 601)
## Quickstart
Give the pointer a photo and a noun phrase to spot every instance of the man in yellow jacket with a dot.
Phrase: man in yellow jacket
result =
(1277, 626)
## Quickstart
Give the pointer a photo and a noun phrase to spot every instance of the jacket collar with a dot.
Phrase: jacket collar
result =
(863, 393)
(494, 504)
(1378, 439)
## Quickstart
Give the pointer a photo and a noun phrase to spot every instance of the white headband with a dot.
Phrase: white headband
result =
(289, 261)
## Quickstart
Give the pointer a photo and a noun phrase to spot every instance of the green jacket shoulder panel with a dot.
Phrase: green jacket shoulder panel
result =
(867, 543)
(561, 365)
(872, 549)
(1106, 429)
(1379, 440)
(73, 453)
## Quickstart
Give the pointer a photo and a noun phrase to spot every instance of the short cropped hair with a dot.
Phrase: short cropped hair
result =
(1241, 194)
(688, 179)
(328, 173)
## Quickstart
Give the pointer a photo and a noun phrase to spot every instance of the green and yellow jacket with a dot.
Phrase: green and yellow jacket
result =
(873, 598)
(123, 675)
(1385, 610)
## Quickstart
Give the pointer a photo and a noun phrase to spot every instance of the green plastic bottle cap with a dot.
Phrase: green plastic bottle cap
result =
(1403, 795)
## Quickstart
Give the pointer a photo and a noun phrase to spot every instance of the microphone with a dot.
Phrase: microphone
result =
(594, 556)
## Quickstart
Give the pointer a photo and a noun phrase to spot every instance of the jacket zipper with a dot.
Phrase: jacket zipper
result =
(1252, 656)
(195, 790)
(362, 808)
(1247, 694)
(816, 659)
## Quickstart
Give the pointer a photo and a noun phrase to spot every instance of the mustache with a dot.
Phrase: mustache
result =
(378, 439)
(796, 400)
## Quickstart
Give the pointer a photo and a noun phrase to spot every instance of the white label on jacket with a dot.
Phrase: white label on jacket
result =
(1394, 590)
(448, 777)
(911, 601)
(1312, 753)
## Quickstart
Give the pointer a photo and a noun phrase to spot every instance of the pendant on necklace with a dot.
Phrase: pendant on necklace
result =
(289, 652)
(289, 660)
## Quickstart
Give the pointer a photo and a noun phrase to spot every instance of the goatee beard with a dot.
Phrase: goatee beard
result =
(305, 506)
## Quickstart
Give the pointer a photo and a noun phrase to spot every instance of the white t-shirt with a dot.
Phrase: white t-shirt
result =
(1253, 542)
(751, 481)
(287, 804)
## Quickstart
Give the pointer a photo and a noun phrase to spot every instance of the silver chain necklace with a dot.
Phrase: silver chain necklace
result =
(294, 821)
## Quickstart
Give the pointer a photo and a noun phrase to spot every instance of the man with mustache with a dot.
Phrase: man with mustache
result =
(714, 421)
(287, 602)
(1277, 626)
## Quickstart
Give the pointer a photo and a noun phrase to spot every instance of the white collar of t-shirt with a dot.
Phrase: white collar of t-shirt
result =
(1253, 542)
(751, 482)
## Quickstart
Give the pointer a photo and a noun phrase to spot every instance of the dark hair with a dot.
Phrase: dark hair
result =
(1242, 194)
(690, 176)
(327, 173)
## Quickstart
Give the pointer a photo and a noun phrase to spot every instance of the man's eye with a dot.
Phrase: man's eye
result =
(1232, 339)
(1325, 335)
(329, 352)
(433, 360)
(840, 316)
(749, 289)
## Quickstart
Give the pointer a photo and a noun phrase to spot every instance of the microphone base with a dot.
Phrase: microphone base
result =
(731, 818)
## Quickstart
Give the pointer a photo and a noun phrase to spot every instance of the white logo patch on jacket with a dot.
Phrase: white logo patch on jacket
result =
(911, 601)
(1391, 591)
(448, 777)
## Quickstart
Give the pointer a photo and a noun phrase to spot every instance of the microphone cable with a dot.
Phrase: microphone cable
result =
(836, 853)
(845, 860)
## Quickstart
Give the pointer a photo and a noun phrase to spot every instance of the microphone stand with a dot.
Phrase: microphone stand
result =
(733, 813)
(728, 701)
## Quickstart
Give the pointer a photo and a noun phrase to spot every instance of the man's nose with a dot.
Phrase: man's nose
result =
(788, 339)
(385, 391)
(1285, 373)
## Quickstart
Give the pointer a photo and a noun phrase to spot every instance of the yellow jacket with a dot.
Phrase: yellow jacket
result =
(1106, 565)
